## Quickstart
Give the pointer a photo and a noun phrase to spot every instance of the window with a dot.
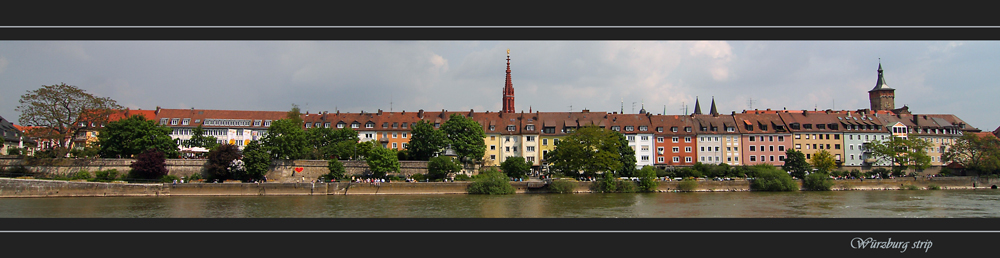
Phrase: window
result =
(555, 141)
(545, 142)
(385, 135)
(673, 129)
(174, 121)
(370, 125)
(753, 148)
(511, 128)
(340, 125)
(615, 128)
(493, 147)
(404, 134)
(781, 147)
(493, 157)
(781, 158)
(531, 159)
(828, 146)
(730, 129)
(659, 159)
(508, 148)
(530, 127)
(659, 150)
(770, 138)
(493, 137)
(659, 139)
(687, 139)
(403, 126)
(631, 138)
(687, 129)
(687, 159)
(687, 149)
(531, 148)
(836, 137)
(394, 145)
(186, 121)
(676, 149)
(493, 127)
(850, 146)
(677, 159)
(645, 158)
(644, 138)
(531, 138)
(770, 148)
(752, 138)
(781, 138)
(506, 139)
(629, 128)
(836, 146)
(645, 148)
(675, 139)
(702, 158)
(659, 129)
(798, 136)
(385, 124)
(702, 148)
(355, 125)
(643, 128)
(753, 158)
(394, 135)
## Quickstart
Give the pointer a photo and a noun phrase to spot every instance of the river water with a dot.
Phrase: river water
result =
(834, 204)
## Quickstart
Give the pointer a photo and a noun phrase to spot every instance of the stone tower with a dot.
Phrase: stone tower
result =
(508, 90)
(882, 97)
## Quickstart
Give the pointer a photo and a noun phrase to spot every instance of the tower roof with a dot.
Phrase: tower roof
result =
(714, 111)
(880, 84)
(697, 107)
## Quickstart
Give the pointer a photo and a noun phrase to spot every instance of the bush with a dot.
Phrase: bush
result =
(83, 174)
(934, 187)
(462, 177)
(773, 180)
(105, 175)
(817, 182)
(14, 151)
(625, 186)
(418, 177)
(687, 185)
(647, 179)
(491, 182)
(169, 179)
(606, 184)
(219, 160)
(563, 186)
(193, 177)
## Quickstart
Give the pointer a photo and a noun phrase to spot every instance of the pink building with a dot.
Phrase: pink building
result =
(764, 138)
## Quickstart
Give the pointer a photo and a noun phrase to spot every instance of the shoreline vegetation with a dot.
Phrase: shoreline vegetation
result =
(24, 187)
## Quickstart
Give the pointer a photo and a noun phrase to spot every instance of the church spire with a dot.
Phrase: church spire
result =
(508, 90)
(697, 107)
(714, 111)
(880, 84)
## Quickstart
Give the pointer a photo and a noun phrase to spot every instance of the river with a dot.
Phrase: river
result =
(834, 204)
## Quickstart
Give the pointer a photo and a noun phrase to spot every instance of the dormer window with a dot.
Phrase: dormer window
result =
(370, 124)
(163, 121)
(807, 126)
(529, 127)
(255, 122)
(511, 128)
(493, 128)
(629, 128)
(395, 125)
(687, 129)
(308, 125)
(616, 128)
(820, 126)
(385, 124)
(341, 125)
(326, 125)
(643, 128)
(404, 125)
(186, 121)
(673, 129)
(355, 125)
(267, 123)
(659, 129)
(174, 121)
(730, 129)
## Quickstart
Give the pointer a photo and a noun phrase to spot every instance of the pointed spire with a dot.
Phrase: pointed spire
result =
(508, 90)
(697, 106)
(880, 84)
(714, 111)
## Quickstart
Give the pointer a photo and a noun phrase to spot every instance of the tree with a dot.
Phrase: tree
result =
(491, 181)
(823, 161)
(295, 115)
(425, 142)
(647, 179)
(257, 160)
(901, 153)
(466, 138)
(795, 162)
(981, 154)
(286, 140)
(198, 139)
(336, 168)
(382, 161)
(219, 160)
(440, 166)
(134, 135)
(515, 167)
(327, 142)
(818, 182)
(590, 150)
(150, 164)
(627, 157)
(62, 111)
(772, 179)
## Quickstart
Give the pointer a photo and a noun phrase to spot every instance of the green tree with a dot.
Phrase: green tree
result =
(63, 111)
(627, 157)
(199, 139)
(219, 160)
(796, 163)
(341, 143)
(257, 161)
(647, 179)
(981, 154)
(588, 150)
(295, 115)
(466, 138)
(819, 181)
(382, 161)
(286, 140)
(491, 181)
(336, 168)
(902, 153)
(425, 142)
(134, 135)
(772, 179)
(440, 166)
(515, 167)
(823, 161)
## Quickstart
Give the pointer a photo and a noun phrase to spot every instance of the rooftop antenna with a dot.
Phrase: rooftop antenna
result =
(684, 108)
(750, 103)
(390, 102)
(633, 107)
(570, 108)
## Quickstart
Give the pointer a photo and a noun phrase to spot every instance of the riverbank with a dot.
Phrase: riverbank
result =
(14, 188)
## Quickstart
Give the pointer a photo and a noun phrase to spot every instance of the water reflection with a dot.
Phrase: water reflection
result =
(835, 204)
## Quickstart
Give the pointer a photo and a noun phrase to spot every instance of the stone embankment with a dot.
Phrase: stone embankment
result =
(10, 187)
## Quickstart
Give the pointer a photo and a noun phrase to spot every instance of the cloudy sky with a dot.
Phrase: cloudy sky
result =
(933, 77)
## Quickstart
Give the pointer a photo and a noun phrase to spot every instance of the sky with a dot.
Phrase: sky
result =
(931, 77)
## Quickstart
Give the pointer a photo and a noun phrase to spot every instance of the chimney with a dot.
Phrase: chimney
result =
(586, 111)
(157, 110)
(805, 112)
(380, 112)
(828, 111)
(470, 112)
(420, 114)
